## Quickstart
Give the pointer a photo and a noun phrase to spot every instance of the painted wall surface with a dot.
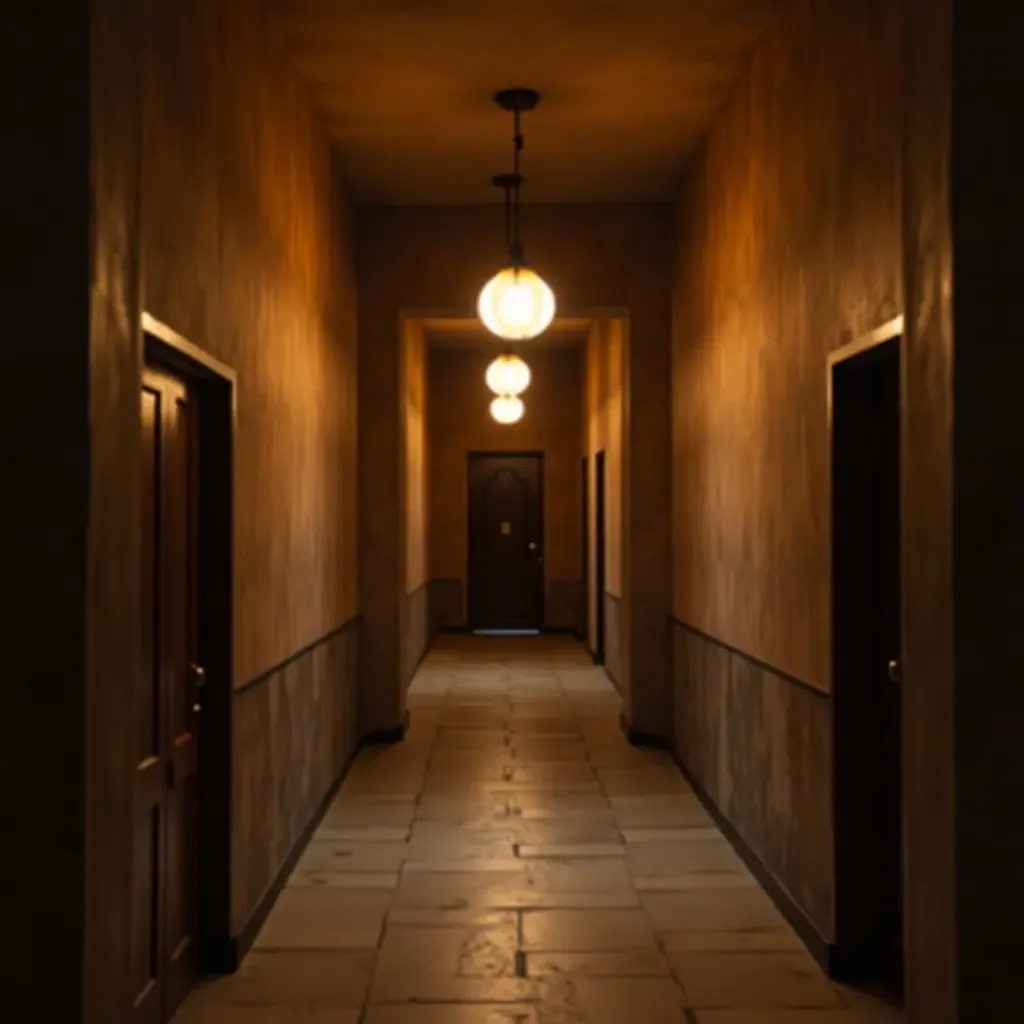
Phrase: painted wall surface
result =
(217, 210)
(789, 245)
(416, 456)
(416, 629)
(603, 432)
(460, 423)
(435, 260)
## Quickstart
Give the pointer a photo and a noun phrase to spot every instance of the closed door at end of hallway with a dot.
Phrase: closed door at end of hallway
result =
(506, 550)
(165, 850)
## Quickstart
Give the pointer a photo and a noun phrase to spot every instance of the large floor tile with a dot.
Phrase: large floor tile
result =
(584, 931)
(759, 981)
(324, 918)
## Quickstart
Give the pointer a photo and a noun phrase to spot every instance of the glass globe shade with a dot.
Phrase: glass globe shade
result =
(508, 375)
(507, 409)
(516, 304)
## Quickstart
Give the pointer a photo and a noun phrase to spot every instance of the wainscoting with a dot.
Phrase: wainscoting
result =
(295, 729)
(759, 744)
(613, 664)
(565, 606)
(447, 603)
(419, 632)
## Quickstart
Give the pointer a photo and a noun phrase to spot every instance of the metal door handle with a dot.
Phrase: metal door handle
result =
(532, 545)
(196, 708)
(199, 674)
(895, 671)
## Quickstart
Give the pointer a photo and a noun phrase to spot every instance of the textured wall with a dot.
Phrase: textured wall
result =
(216, 208)
(460, 423)
(436, 260)
(415, 500)
(602, 431)
(244, 237)
(789, 246)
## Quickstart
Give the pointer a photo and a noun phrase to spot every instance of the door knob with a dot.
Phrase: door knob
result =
(895, 671)
(196, 708)
(198, 674)
(533, 545)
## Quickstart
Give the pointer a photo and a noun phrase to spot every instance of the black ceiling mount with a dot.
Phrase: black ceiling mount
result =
(517, 100)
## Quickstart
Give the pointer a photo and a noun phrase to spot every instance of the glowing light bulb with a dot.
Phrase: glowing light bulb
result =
(508, 375)
(507, 409)
(516, 304)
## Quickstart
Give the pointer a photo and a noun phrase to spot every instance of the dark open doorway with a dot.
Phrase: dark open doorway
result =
(183, 911)
(599, 555)
(584, 546)
(506, 541)
(865, 414)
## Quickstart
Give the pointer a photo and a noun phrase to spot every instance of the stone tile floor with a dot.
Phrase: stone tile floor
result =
(515, 861)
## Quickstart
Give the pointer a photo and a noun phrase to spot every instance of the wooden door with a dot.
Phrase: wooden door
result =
(164, 884)
(506, 541)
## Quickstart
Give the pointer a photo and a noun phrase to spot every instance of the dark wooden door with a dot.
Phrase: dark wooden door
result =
(599, 555)
(164, 884)
(506, 541)
(866, 650)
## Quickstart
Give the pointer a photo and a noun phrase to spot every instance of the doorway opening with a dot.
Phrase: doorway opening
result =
(181, 924)
(584, 611)
(866, 699)
(599, 555)
(506, 541)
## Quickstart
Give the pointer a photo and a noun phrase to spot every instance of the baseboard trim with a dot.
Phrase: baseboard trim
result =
(247, 936)
(639, 738)
(381, 737)
(818, 946)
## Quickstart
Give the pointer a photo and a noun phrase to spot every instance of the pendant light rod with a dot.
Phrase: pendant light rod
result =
(516, 102)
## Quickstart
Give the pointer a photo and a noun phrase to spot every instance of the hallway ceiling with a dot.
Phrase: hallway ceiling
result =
(629, 89)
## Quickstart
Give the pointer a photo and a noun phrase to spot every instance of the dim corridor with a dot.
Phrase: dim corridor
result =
(515, 860)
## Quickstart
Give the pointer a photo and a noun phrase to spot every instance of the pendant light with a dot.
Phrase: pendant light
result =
(516, 304)
(508, 375)
(507, 409)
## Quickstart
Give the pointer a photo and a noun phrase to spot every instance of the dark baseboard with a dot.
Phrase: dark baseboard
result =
(242, 942)
(380, 737)
(453, 630)
(818, 946)
(638, 738)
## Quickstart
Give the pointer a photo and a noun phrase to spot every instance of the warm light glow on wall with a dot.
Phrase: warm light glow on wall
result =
(508, 375)
(507, 409)
(516, 304)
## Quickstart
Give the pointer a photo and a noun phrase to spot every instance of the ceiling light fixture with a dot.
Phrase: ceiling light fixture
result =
(516, 304)
(507, 409)
(508, 375)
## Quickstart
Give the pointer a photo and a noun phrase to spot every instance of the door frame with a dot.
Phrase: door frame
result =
(844, 957)
(215, 387)
(584, 626)
(510, 454)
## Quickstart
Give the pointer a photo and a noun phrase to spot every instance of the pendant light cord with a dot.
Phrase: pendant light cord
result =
(515, 246)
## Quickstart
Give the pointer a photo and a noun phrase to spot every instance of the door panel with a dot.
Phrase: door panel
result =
(148, 830)
(506, 549)
(164, 946)
(180, 948)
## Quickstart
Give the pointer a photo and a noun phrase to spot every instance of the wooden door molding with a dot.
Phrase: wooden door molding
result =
(213, 386)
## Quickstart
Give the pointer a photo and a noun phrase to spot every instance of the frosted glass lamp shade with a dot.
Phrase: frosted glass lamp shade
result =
(507, 409)
(516, 304)
(508, 375)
